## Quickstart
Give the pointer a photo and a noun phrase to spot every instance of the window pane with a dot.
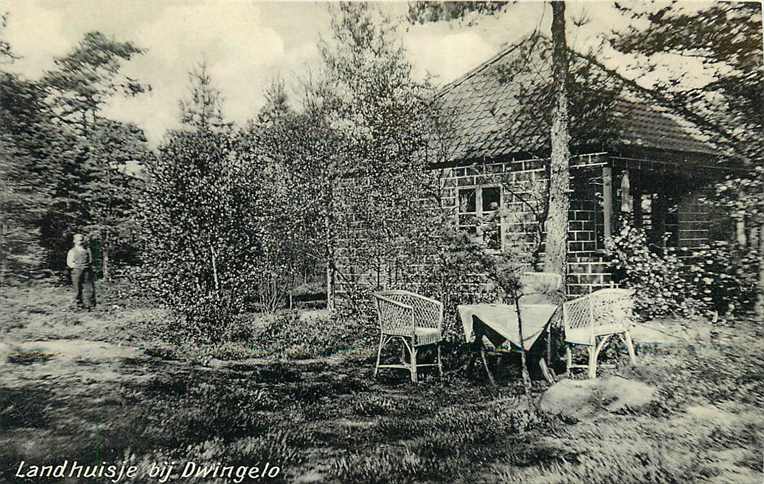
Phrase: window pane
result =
(467, 200)
(491, 199)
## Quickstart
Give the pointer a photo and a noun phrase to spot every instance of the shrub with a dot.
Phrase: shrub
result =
(202, 226)
(722, 276)
(719, 278)
(657, 278)
(312, 334)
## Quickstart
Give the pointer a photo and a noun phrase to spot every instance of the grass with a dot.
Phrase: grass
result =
(312, 409)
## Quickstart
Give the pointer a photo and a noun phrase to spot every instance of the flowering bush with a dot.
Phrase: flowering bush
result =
(716, 279)
(722, 276)
(657, 277)
(202, 222)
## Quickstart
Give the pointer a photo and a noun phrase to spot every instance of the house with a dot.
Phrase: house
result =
(632, 158)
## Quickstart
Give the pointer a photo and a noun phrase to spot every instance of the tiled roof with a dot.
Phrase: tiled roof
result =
(503, 107)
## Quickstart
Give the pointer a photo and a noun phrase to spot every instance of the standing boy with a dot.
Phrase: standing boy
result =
(80, 261)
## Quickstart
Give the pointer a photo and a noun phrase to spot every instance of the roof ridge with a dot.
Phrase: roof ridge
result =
(508, 49)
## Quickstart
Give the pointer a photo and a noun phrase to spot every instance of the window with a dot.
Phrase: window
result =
(479, 215)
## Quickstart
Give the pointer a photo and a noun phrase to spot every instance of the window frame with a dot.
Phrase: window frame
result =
(479, 213)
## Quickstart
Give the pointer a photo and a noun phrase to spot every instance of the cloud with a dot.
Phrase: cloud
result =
(247, 44)
(36, 34)
(447, 56)
(242, 51)
(231, 37)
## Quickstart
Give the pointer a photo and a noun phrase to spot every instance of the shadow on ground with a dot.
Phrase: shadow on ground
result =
(96, 395)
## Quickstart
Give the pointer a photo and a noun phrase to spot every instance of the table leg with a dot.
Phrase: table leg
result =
(548, 374)
(485, 365)
(546, 361)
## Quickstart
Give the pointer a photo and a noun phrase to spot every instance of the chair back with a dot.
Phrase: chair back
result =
(400, 310)
(394, 317)
(612, 307)
(540, 287)
(606, 308)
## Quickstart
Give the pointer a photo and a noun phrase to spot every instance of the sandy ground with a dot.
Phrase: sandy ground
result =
(63, 376)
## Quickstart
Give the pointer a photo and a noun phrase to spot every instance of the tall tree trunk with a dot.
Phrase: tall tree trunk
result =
(5, 252)
(105, 263)
(760, 286)
(214, 268)
(559, 174)
(329, 249)
(105, 269)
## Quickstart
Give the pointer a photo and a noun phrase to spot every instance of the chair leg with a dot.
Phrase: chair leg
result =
(568, 359)
(630, 347)
(414, 378)
(593, 360)
(440, 365)
(379, 354)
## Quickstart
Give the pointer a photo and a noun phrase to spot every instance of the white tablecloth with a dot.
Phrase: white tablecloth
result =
(501, 321)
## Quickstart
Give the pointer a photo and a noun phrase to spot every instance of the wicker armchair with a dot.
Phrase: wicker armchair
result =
(415, 319)
(592, 319)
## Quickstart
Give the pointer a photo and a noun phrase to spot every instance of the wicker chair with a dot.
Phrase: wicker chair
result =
(540, 287)
(415, 319)
(592, 319)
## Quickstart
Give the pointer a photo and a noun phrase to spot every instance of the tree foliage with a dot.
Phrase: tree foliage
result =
(116, 152)
(352, 157)
(728, 105)
(727, 39)
(85, 79)
(426, 11)
(6, 50)
(203, 109)
(31, 152)
(202, 230)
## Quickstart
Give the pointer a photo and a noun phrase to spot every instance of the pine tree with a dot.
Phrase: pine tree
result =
(77, 89)
(203, 109)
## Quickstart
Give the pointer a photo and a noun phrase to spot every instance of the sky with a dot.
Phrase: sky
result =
(247, 44)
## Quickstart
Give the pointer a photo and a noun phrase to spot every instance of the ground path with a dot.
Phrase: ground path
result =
(90, 386)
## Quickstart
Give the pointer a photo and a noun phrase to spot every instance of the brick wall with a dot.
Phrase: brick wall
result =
(587, 269)
(587, 274)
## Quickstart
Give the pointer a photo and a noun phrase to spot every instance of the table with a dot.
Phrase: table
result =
(499, 324)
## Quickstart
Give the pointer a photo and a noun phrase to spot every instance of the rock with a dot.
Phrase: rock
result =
(5, 351)
(570, 398)
(580, 399)
(619, 394)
